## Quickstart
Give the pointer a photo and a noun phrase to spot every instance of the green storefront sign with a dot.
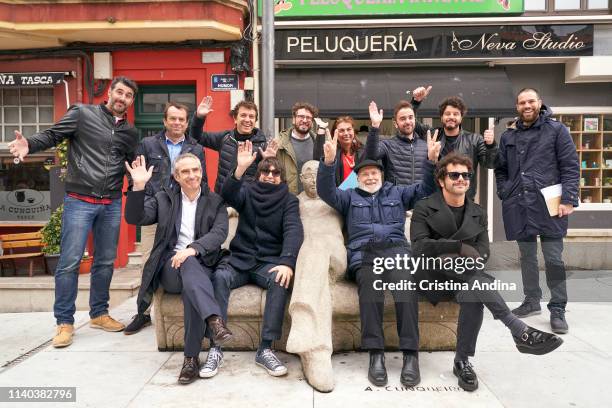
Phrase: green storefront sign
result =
(373, 8)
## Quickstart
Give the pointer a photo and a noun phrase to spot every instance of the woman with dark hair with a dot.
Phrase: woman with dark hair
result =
(350, 152)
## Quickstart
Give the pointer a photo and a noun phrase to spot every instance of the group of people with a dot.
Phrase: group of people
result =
(427, 171)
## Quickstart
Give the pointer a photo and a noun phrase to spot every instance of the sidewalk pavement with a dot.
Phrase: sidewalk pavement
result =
(114, 370)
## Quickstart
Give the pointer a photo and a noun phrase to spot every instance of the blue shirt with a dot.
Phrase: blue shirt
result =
(174, 149)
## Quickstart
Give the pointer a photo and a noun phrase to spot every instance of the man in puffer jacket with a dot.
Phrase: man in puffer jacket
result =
(537, 152)
(226, 142)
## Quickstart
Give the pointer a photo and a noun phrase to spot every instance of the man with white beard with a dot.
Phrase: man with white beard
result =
(374, 214)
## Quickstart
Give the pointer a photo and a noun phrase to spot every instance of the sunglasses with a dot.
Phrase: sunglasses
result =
(454, 175)
(274, 172)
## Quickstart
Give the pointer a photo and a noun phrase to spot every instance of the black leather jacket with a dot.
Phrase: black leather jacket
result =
(155, 151)
(470, 144)
(97, 151)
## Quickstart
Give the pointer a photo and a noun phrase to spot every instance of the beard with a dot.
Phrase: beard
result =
(372, 188)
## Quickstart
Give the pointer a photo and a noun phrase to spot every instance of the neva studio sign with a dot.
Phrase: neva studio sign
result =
(300, 9)
(398, 43)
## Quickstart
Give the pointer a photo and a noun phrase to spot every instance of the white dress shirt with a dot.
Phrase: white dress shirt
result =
(188, 215)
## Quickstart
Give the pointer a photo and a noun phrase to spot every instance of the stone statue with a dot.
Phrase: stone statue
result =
(320, 263)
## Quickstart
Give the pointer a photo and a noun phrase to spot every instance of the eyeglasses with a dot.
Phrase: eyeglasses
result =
(454, 175)
(304, 117)
(275, 172)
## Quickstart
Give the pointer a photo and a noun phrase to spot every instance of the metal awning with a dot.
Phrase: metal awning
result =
(348, 91)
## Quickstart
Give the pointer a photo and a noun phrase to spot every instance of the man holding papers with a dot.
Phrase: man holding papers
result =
(537, 174)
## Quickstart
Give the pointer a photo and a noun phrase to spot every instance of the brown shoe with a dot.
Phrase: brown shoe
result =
(221, 334)
(107, 323)
(190, 371)
(63, 335)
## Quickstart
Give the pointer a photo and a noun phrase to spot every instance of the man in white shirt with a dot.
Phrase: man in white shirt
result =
(192, 225)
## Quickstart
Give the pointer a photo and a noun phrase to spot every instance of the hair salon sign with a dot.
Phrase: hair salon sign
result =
(396, 43)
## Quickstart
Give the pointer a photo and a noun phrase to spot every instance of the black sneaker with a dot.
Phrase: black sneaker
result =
(537, 342)
(265, 358)
(557, 320)
(528, 308)
(138, 322)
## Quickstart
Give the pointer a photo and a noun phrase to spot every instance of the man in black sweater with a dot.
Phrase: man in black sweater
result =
(264, 250)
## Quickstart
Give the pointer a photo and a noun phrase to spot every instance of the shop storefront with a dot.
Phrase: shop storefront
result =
(189, 45)
(341, 66)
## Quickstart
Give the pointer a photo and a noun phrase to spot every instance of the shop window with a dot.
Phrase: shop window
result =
(28, 110)
(25, 189)
(597, 4)
(592, 135)
(567, 4)
(535, 5)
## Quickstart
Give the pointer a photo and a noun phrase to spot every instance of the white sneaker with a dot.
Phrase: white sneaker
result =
(213, 362)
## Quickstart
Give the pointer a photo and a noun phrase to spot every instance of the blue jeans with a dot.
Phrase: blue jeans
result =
(78, 219)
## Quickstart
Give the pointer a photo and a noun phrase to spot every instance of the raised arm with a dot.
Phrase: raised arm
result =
(212, 140)
(140, 209)
(374, 149)
(326, 179)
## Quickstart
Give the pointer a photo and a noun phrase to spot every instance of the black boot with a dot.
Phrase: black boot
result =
(466, 375)
(377, 374)
(534, 341)
(410, 370)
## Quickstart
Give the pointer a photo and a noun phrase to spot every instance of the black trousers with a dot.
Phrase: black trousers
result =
(471, 305)
(371, 300)
(193, 281)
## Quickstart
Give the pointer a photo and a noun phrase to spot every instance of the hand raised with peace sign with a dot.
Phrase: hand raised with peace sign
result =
(330, 148)
(433, 146)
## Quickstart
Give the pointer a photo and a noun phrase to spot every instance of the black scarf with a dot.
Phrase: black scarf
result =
(268, 198)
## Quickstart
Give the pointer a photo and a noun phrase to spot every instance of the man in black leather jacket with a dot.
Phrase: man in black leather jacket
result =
(101, 140)
(481, 149)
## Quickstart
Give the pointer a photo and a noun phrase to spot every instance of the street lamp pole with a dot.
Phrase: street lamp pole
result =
(267, 111)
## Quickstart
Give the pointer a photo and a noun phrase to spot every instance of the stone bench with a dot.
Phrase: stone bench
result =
(437, 324)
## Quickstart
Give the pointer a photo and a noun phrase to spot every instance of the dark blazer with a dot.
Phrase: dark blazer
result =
(164, 208)
(433, 232)
(155, 151)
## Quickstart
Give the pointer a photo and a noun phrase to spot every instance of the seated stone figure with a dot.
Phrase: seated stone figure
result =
(320, 263)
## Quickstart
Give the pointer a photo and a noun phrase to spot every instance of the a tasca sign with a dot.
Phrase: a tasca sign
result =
(25, 205)
(25, 79)
(394, 43)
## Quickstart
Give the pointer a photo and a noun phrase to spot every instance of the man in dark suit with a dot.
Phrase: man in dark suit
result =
(192, 225)
(160, 151)
(452, 229)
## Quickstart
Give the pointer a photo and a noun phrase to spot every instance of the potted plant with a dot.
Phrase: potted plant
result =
(86, 262)
(51, 238)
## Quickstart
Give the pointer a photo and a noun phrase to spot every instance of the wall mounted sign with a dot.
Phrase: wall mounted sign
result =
(343, 8)
(25, 79)
(395, 43)
(224, 82)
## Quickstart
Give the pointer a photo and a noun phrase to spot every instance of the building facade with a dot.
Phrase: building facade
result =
(57, 53)
(342, 55)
